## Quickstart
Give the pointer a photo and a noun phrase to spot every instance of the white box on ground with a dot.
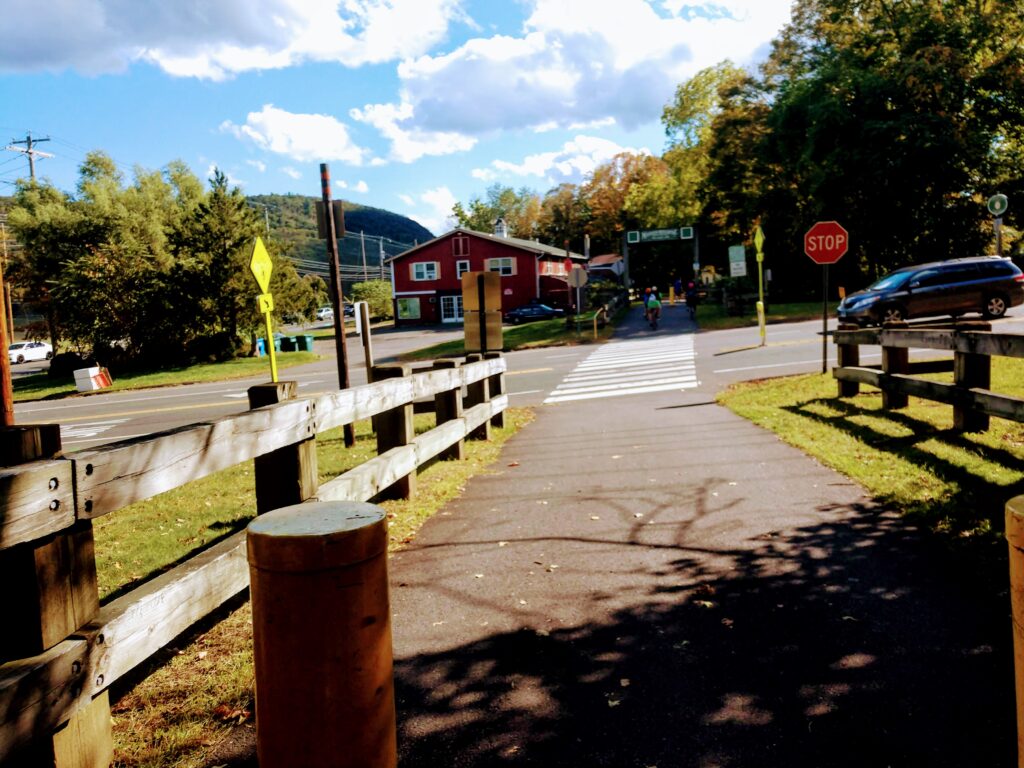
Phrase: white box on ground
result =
(91, 379)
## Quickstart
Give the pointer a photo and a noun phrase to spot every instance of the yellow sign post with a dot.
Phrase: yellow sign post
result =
(261, 267)
(759, 245)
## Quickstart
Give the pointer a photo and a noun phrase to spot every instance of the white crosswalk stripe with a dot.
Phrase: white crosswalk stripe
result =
(89, 429)
(631, 368)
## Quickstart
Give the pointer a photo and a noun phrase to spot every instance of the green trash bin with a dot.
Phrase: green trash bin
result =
(288, 344)
(305, 343)
(277, 342)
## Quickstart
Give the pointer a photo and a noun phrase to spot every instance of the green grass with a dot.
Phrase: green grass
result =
(198, 691)
(713, 317)
(542, 333)
(911, 460)
(41, 387)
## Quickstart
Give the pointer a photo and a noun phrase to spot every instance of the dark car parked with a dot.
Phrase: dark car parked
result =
(986, 284)
(528, 312)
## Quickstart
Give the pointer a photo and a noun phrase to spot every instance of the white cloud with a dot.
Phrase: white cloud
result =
(362, 187)
(232, 181)
(572, 163)
(293, 173)
(301, 137)
(581, 63)
(409, 143)
(439, 203)
(197, 38)
(259, 165)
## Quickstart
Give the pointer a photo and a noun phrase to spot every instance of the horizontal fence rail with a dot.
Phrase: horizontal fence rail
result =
(39, 693)
(973, 348)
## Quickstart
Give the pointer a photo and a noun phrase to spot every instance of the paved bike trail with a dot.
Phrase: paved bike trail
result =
(650, 580)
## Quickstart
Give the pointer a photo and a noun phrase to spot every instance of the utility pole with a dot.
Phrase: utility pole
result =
(32, 153)
(339, 303)
(362, 241)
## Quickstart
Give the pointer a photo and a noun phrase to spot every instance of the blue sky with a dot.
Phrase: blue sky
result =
(415, 104)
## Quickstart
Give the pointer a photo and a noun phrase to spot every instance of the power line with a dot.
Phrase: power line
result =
(28, 141)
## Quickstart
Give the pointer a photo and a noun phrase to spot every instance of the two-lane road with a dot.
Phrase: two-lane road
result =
(675, 357)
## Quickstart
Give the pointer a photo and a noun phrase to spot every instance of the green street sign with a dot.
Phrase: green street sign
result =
(658, 235)
(686, 233)
(997, 205)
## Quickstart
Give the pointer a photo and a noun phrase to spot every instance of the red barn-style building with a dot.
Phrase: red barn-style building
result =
(426, 281)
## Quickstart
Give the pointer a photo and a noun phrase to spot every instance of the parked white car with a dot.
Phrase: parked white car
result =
(325, 313)
(23, 351)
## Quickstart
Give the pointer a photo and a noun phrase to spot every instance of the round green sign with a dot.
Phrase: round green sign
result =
(997, 205)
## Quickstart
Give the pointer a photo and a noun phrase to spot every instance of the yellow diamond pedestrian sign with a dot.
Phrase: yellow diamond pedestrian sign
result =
(261, 265)
(759, 239)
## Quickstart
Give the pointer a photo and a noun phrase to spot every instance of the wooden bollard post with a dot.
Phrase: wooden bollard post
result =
(51, 593)
(971, 371)
(448, 406)
(848, 355)
(395, 428)
(288, 475)
(476, 393)
(894, 360)
(496, 386)
(1015, 539)
(322, 637)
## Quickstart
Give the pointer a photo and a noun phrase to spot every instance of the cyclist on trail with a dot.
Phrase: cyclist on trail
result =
(691, 300)
(653, 310)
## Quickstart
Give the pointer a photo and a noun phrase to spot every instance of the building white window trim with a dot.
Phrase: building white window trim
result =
(503, 265)
(415, 293)
(451, 309)
(461, 268)
(422, 271)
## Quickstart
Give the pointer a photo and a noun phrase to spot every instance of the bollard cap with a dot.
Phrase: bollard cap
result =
(1015, 522)
(316, 536)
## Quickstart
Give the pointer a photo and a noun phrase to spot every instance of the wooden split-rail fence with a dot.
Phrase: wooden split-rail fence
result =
(973, 346)
(62, 650)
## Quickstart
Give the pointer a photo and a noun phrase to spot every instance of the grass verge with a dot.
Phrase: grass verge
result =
(713, 317)
(200, 691)
(911, 460)
(542, 333)
(41, 387)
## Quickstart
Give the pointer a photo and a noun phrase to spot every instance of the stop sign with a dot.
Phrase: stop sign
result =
(826, 242)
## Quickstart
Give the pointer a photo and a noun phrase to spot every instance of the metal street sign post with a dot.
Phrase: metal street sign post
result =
(577, 279)
(826, 243)
(759, 245)
(261, 267)
(997, 205)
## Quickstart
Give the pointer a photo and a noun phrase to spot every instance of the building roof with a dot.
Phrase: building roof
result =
(604, 260)
(527, 245)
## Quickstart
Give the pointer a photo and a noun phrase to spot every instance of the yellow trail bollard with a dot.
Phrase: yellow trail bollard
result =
(322, 637)
(1015, 538)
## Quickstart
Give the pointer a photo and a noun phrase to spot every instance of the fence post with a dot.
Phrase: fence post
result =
(476, 393)
(322, 646)
(51, 593)
(1015, 539)
(894, 360)
(395, 428)
(496, 387)
(971, 371)
(848, 356)
(288, 475)
(448, 406)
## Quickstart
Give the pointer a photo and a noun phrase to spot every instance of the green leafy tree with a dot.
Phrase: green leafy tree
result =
(520, 210)
(377, 295)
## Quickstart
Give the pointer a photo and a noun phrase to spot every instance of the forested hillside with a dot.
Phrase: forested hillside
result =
(292, 220)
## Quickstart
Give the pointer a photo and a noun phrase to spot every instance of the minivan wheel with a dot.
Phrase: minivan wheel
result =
(995, 306)
(893, 314)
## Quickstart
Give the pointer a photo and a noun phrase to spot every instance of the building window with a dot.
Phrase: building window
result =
(424, 270)
(503, 266)
(461, 267)
(408, 309)
(451, 309)
(460, 245)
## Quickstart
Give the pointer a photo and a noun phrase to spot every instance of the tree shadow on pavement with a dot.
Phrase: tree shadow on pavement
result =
(841, 644)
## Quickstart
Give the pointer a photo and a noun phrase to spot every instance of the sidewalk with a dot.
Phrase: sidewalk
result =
(650, 580)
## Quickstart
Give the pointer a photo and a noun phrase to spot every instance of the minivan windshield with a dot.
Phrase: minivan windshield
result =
(890, 282)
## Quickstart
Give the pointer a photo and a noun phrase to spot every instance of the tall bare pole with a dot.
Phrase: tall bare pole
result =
(362, 241)
(336, 297)
(6, 388)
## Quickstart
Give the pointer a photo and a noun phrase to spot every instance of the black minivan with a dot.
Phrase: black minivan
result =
(986, 284)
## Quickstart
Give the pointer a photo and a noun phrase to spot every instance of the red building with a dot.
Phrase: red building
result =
(426, 281)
